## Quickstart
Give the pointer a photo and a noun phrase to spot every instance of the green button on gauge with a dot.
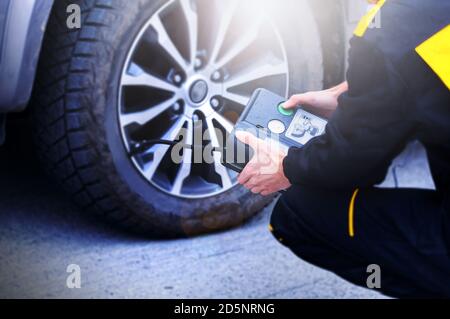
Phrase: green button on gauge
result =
(284, 111)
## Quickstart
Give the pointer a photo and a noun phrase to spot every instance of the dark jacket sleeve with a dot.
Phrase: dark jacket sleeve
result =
(370, 127)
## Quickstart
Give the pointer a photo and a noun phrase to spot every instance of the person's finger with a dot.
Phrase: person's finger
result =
(297, 99)
(257, 190)
(266, 193)
(255, 181)
(244, 177)
(246, 174)
(250, 170)
(249, 139)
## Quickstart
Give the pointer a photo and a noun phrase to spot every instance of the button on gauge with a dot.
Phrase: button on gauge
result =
(284, 111)
(276, 126)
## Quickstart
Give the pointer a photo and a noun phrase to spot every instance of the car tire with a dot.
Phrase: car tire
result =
(75, 122)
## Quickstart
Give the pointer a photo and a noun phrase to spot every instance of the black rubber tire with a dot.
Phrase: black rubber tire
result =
(77, 135)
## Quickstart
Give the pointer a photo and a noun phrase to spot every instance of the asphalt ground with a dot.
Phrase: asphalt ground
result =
(42, 232)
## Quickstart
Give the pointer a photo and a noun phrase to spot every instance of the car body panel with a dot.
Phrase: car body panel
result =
(22, 26)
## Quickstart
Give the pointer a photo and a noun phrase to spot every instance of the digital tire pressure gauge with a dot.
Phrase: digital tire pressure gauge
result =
(266, 117)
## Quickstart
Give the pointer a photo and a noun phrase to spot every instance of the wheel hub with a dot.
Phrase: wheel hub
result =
(198, 91)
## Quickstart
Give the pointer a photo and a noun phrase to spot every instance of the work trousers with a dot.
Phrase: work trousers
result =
(403, 231)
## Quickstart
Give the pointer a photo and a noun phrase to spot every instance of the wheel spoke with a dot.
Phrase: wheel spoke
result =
(240, 45)
(159, 151)
(256, 73)
(185, 169)
(192, 25)
(146, 79)
(146, 116)
(223, 29)
(166, 42)
(237, 98)
(227, 125)
(221, 170)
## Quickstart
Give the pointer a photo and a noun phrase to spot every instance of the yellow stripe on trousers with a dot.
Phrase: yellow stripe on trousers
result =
(351, 214)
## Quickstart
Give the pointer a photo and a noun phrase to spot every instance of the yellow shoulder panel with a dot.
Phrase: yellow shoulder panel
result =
(365, 22)
(436, 53)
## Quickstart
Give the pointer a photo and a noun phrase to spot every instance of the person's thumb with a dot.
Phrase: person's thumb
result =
(248, 138)
(296, 100)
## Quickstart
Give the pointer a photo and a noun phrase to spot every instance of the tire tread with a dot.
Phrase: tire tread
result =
(65, 72)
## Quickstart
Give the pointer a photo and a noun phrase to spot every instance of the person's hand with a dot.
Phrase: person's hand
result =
(322, 103)
(264, 173)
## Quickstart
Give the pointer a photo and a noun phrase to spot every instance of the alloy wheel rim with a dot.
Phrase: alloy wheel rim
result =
(171, 88)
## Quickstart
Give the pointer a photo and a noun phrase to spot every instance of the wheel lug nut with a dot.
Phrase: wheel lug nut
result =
(198, 63)
(177, 78)
(195, 118)
(215, 103)
(216, 76)
(177, 107)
